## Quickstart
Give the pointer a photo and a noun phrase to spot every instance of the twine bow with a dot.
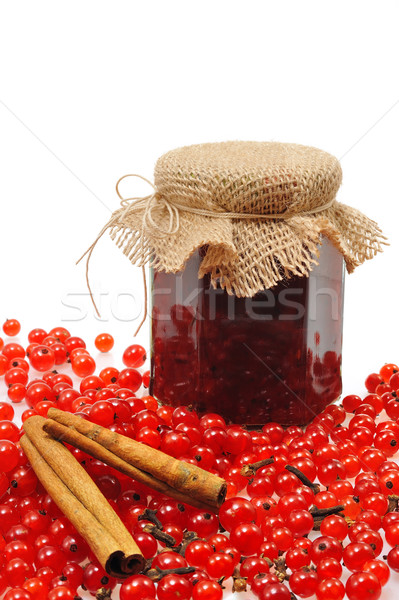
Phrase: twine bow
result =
(147, 204)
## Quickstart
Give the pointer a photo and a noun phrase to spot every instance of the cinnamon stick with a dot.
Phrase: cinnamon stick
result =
(75, 493)
(184, 482)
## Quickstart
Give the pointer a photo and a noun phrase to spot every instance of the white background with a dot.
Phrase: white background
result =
(92, 90)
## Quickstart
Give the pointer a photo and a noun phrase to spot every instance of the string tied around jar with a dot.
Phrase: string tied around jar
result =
(149, 204)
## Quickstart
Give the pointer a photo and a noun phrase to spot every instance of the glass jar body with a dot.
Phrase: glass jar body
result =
(273, 357)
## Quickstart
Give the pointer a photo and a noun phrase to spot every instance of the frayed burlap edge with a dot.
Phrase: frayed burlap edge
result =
(245, 257)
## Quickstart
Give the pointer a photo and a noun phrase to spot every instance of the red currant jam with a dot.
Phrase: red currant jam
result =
(273, 357)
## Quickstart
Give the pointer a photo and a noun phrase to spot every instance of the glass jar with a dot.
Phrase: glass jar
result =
(273, 357)
(243, 322)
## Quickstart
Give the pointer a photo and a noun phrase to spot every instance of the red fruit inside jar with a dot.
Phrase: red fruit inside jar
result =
(274, 357)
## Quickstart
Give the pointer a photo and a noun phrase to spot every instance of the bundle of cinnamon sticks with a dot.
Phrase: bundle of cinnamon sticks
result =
(75, 493)
(180, 480)
(77, 496)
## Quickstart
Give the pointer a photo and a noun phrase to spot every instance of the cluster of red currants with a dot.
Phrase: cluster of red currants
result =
(336, 476)
(47, 351)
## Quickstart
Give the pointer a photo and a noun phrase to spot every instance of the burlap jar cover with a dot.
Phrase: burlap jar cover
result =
(259, 208)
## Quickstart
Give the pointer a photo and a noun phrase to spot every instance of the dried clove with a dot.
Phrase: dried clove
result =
(315, 487)
(151, 516)
(157, 574)
(103, 594)
(250, 470)
(160, 535)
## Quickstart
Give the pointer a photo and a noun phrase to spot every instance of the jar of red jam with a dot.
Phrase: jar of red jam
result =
(247, 246)
(273, 357)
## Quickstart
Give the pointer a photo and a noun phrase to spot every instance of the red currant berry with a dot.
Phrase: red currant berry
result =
(206, 590)
(134, 356)
(17, 593)
(356, 554)
(297, 558)
(351, 403)
(83, 365)
(104, 342)
(363, 585)
(300, 522)
(36, 588)
(9, 455)
(174, 586)
(137, 587)
(330, 589)
(329, 567)
(11, 327)
(42, 358)
(303, 583)
(219, 565)
(379, 568)
(23, 481)
(17, 571)
(52, 557)
(275, 591)
(247, 538)
(235, 511)
(325, 547)
(334, 526)
(250, 567)
(94, 577)
(197, 553)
